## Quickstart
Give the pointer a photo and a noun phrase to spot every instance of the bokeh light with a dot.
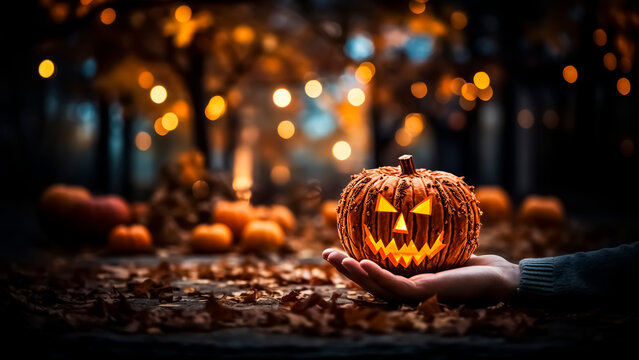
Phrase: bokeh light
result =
(282, 97)
(159, 129)
(107, 16)
(170, 121)
(570, 74)
(419, 89)
(414, 123)
(416, 7)
(458, 20)
(46, 68)
(215, 108)
(143, 141)
(359, 47)
(467, 105)
(145, 80)
(485, 94)
(600, 37)
(356, 96)
(243, 34)
(403, 137)
(550, 119)
(623, 86)
(313, 88)
(525, 118)
(341, 150)
(610, 61)
(456, 85)
(158, 94)
(625, 64)
(457, 121)
(481, 80)
(286, 129)
(280, 174)
(365, 72)
(183, 13)
(469, 91)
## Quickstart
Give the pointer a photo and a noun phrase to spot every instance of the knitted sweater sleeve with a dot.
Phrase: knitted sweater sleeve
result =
(605, 274)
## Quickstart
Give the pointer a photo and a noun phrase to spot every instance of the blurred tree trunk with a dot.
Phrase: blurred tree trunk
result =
(194, 83)
(127, 146)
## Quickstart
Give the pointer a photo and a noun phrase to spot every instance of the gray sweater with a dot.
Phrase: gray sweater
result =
(610, 274)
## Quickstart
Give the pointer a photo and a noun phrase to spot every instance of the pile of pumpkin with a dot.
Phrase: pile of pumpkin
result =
(72, 211)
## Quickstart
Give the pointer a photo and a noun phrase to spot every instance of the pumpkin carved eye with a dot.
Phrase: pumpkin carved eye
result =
(384, 205)
(425, 207)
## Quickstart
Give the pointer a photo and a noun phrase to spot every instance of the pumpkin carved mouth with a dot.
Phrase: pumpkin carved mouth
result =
(406, 253)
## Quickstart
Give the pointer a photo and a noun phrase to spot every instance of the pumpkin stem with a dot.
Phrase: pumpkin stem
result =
(407, 164)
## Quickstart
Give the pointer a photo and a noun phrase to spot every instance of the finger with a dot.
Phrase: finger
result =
(360, 276)
(327, 252)
(394, 284)
(335, 258)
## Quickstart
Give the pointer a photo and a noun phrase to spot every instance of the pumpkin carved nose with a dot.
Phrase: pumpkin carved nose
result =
(400, 225)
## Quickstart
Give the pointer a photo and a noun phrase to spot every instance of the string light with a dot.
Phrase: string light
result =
(481, 80)
(485, 94)
(46, 68)
(458, 20)
(143, 141)
(416, 7)
(215, 108)
(365, 72)
(158, 94)
(313, 88)
(456, 85)
(145, 80)
(341, 150)
(610, 61)
(414, 123)
(623, 86)
(183, 13)
(286, 129)
(282, 97)
(243, 34)
(419, 89)
(600, 37)
(107, 16)
(403, 137)
(356, 96)
(570, 74)
(469, 91)
(159, 129)
(170, 121)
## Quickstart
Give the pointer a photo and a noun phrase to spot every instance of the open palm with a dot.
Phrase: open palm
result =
(482, 278)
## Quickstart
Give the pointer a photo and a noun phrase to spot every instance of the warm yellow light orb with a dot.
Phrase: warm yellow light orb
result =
(282, 97)
(458, 20)
(107, 16)
(356, 96)
(286, 129)
(183, 13)
(623, 86)
(145, 80)
(570, 74)
(342, 150)
(158, 94)
(159, 128)
(419, 89)
(46, 68)
(243, 34)
(215, 108)
(365, 72)
(600, 37)
(414, 123)
(481, 80)
(403, 137)
(313, 88)
(170, 121)
(143, 141)
(280, 174)
(469, 91)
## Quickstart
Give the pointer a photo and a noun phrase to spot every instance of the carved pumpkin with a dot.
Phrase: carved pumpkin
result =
(408, 221)
(262, 235)
(329, 212)
(211, 238)
(542, 211)
(135, 239)
(494, 203)
(100, 214)
(234, 214)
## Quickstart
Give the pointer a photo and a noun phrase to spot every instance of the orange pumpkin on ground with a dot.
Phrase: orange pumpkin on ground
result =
(59, 200)
(409, 220)
(135, 239)
(329, 212)
(262, 235)
(207, 238)
(234, 214)
(100, 214)
(494, 203)
(278, 213)
(542, 211)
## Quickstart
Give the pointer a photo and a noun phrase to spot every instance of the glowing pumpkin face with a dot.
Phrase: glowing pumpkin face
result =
(409, 221)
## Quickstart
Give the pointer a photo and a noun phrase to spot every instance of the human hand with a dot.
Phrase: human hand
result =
(483, 278)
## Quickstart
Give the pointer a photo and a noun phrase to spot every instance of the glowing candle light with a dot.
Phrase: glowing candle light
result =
(158, 94)
(282, 97)
(46, 68)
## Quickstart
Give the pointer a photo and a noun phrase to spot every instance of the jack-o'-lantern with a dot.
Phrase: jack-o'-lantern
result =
(135, 239)
(211, 238)
(542, 211)
(494, 203)
(409, 220)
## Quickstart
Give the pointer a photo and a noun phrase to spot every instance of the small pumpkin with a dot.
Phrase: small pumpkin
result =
(409, 220)
(234, 214)
(100, 214)
(329, 212)
(134, 239)
(494, 203)
(262, 235)
(542, 211)
(278, 213)
(207, 238)
(59, 200)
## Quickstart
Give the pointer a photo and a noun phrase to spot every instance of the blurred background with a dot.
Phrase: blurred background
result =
(283, 100)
